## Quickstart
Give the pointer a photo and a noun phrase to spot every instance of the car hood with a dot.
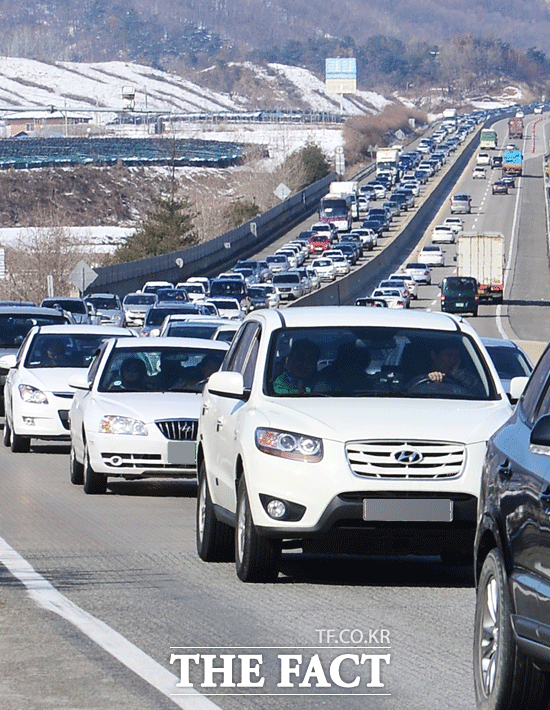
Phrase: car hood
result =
(350, 418)
(51, 379)
(150, 406)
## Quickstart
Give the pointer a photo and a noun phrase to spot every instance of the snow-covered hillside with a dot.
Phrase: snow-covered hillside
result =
(26, 83)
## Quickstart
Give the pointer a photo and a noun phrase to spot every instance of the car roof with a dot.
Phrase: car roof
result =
(83, 329)
(329, 316)
(157, 343)
(31, 310)
(501, 342)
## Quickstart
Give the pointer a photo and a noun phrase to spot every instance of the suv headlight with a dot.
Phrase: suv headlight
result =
(32, 395)
(113, 424)
(289, 445)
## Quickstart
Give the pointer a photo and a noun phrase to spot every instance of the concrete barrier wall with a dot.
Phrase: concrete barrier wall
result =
(363, 280)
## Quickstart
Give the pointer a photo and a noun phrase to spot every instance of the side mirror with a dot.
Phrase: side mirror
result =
(79, 382)
(517, 385)
(7, 362)
(227, 384)
(540, 436)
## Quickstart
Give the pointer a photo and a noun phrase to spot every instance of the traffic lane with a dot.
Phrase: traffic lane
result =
(128, 558)
(528, 295)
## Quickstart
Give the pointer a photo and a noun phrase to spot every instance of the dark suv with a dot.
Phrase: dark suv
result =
(512, 556)
(459, 295)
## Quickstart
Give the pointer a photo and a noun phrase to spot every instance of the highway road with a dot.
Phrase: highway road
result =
(105, 603)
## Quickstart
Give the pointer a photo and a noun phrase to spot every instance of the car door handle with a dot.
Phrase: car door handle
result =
(505, 470)
(220, 423)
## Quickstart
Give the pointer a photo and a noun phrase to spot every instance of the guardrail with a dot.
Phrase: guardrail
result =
(215, 255)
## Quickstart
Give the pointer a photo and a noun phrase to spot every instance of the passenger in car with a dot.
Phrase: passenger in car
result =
(348, 373)
(300, 374)
(198, 374)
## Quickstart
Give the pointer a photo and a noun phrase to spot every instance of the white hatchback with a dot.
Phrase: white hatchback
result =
(324, 432)
(37, 393)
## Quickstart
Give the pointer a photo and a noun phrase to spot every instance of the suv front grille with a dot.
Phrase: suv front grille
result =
(405, 459)
(179, 429)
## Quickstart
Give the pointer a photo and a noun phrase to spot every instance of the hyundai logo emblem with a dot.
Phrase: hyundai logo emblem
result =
(407, 456)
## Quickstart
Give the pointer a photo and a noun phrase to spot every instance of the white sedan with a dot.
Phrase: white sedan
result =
(392, 296)
(410, 281)
(455, 223)
(443, 234)
(432, 255)
(37, 392)
(325, 268)
(135, 412)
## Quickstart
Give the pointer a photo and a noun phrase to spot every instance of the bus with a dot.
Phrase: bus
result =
(488, 139)
(336, 210)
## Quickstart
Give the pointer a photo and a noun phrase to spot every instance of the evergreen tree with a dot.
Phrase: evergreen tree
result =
(168, 227)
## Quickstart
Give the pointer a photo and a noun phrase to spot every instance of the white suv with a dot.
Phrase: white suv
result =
(325, 431)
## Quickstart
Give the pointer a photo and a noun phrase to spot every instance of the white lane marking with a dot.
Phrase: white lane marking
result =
(508, 267)
(47, 596)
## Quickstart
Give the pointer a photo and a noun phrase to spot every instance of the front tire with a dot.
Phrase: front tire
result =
(76, 468)
(6, 436)
(257, 559)
(94, 483)
(19, 444)
(215, 540)
(504, 679)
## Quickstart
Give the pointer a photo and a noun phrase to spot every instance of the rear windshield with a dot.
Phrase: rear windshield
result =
(66, 305)
(286, 278)
(14, 328)
(456, 285)
(140, 299)
(155, 316)
(227, 288)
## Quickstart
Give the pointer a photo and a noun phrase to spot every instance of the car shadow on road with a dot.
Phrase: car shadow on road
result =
(522, 302)
(44, 447)
(371, 571)
(153, 488)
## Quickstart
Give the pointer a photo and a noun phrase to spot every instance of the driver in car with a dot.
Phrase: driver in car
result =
(446, 363)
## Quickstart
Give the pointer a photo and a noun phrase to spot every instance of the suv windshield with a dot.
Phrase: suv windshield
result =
(377, 362)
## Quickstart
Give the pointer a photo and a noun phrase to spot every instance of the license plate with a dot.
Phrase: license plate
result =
(408, 510)
(181, 452)
(459, 305)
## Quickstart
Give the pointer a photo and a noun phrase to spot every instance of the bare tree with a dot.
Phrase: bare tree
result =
(42, 252)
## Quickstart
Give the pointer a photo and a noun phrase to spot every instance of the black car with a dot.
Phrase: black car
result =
(377, 225)
(459, 295)
(512, 555)
(496, 161)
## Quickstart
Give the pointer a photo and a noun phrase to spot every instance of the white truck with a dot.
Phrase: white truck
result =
(388, 159)
(450, 117)
(481, 255)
